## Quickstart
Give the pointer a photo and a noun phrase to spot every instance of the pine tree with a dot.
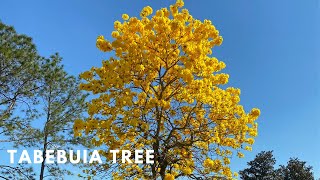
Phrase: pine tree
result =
(39, 101)
(19, 75)
(62, 103)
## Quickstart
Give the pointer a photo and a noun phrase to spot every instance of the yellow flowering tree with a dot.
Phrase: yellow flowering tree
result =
(162, 91)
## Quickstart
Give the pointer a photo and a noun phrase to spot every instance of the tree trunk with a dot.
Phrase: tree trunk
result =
(44, 157)
(45, 143)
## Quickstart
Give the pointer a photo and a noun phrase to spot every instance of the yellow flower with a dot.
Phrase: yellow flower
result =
(117, 24)
(161, 76)
(250, 141)
(103, 45)
(186, 170)
(146, 11)
(240, 155)
(78, 125)
(115, 34)
(226, 160)
(169, 177)
(180, 3)
(125, 17)
(255, 112)
(248, 148)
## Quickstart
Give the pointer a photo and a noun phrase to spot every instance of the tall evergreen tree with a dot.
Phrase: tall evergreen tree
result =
(39, 101)
(19, 74)
(261, 168)
(62, 103)
(19, 77)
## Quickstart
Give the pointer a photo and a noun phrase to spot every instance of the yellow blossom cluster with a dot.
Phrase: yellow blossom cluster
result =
(125, 17)
(169, 176)
(163, 91)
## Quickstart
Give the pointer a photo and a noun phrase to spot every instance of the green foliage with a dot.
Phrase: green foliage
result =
(262, 168)
(19, 74)
(62, 102)
(39, 101)
(21, 172)
(295, 169)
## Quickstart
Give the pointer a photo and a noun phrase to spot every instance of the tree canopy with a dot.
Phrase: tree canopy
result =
(19, 74)
(39, 101)
(163, 90)
(262, 168)
(296, 169)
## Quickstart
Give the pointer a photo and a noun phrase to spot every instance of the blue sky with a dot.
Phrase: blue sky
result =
(271, 48)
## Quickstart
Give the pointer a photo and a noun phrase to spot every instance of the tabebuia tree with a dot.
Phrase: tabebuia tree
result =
(164, 91)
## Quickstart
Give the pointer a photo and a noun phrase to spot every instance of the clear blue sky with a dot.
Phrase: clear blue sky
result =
(271, 48)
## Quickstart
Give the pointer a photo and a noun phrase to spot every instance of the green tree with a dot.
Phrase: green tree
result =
(19, 75)
(296, 170)
(62, 102)
(261, 168)
(39, 101)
